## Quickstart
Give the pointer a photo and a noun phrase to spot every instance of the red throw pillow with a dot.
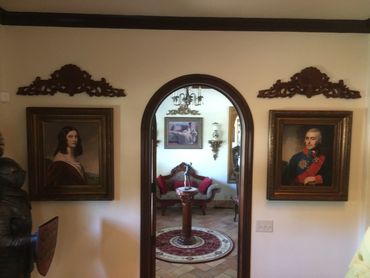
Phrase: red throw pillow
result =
(162, 184)
(204, 184)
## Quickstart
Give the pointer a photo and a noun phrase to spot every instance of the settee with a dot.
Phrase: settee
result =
(166, 188)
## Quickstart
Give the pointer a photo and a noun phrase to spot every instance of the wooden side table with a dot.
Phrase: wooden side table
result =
(186, 195)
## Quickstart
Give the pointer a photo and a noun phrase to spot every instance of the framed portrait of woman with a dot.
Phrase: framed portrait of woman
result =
(70, 153)
(309, 154)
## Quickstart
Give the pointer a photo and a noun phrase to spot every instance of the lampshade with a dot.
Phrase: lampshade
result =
(216, 133)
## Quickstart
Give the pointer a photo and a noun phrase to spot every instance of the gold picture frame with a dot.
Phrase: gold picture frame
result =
(316, 171)
(57, 173)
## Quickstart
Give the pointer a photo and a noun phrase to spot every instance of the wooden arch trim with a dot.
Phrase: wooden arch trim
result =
(147, 258)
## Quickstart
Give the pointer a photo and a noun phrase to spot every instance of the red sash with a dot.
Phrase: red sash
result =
(312, 170)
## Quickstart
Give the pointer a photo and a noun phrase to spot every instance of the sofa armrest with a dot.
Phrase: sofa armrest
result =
(212, 189)
(157, 191)
(170, 195)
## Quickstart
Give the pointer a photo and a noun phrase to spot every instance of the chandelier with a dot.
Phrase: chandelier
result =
(184, 99)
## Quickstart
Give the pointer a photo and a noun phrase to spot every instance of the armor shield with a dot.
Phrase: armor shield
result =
(45, 245)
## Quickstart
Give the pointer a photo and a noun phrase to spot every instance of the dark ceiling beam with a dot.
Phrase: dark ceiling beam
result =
(1, 16)
(182, 23)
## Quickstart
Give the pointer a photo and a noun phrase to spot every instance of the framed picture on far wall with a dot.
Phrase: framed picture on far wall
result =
(309, 155)
(183, 133)
(70, 153)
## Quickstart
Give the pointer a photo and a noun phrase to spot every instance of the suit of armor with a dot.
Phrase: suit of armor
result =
(16, 255)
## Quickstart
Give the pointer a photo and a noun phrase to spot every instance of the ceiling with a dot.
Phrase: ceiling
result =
(308, 9)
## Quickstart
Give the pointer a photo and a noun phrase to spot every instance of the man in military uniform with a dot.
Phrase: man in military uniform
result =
(310, 166)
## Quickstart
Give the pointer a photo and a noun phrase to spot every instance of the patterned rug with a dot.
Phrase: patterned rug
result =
(209, 245)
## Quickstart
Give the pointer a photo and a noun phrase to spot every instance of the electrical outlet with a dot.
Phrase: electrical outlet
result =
(264, 226)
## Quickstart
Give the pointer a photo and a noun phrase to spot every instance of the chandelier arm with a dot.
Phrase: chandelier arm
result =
(184, 99)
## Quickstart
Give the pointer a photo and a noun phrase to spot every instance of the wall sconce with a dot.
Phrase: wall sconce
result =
(215, 143)
(185, 99)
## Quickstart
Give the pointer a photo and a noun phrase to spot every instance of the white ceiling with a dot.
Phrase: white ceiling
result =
(310, 9)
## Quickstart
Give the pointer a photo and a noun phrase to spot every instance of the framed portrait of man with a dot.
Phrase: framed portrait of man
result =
(70, 153)
(309, 155)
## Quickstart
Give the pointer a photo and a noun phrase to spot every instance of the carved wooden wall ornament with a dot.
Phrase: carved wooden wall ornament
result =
(71, 80)
(309, 82)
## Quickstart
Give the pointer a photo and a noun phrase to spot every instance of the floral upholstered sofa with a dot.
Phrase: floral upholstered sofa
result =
(166, 188)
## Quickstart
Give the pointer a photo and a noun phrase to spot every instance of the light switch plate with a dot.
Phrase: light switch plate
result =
(4, 97)
(265, 226)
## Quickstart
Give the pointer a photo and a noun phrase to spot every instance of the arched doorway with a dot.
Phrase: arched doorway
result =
(148, 144)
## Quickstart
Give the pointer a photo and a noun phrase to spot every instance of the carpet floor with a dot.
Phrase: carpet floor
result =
(209, 245)
(218, 219)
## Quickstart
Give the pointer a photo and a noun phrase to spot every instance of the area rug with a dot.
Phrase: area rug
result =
(209, 245)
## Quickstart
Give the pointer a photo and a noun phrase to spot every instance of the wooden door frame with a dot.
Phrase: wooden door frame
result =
(147, 238)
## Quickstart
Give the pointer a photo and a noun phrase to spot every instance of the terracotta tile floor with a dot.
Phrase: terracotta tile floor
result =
(220, 219)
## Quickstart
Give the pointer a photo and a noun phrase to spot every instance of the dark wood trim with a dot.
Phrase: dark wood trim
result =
(147, 238)
(309, 82)
(71, 80)
(183, 23)
(147, 231)
(2, 12)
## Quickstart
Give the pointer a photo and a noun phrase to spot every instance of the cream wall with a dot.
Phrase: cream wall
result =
(102, 239)
(366, 194)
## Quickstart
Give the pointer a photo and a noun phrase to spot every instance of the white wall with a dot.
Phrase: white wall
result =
(214, 109)
(102, 239)
(366, 192)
